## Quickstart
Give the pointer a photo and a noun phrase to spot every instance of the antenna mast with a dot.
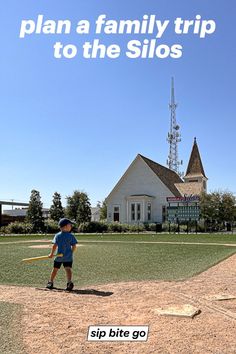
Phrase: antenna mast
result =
(174, 136)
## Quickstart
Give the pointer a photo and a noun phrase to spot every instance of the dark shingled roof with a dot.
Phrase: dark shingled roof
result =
(167, 176)
(195, 166)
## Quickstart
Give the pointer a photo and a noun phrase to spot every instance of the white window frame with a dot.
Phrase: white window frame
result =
(136, 211)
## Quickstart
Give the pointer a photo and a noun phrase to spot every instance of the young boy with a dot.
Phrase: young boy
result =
(65, 243)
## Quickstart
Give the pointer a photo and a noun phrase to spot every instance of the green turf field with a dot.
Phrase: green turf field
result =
(113, 258)
(219, 238)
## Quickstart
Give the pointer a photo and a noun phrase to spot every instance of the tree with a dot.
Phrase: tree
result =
(218, 208)
(56, 211)
(72, 205)
(215, 205)
(228, 207)
(84, 209)
(206, 207)
(78, 207)
(35, 211)
(103, 211)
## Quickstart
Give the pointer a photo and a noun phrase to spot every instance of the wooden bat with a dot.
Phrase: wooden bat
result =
(28, 260)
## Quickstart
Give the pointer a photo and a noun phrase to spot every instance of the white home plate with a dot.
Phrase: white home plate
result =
(178, 310)
(220, 297)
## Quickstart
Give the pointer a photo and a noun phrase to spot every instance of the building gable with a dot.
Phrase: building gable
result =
(144, 172)
(167, 176)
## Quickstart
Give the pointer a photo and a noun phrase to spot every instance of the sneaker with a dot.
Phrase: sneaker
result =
(49, 285)
(69, 286)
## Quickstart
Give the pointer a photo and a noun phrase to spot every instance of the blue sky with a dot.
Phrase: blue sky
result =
(78, 123)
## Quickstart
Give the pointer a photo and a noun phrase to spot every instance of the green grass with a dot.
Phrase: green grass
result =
(219, 238)
(205, 238)
(100, 262)
(10, 329)
(17, 238)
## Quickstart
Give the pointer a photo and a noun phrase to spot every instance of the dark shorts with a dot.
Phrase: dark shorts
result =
(65, 264)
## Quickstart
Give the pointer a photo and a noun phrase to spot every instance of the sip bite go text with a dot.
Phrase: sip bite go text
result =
(118, 333)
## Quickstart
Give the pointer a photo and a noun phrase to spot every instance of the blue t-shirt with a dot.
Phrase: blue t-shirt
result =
(64, 241)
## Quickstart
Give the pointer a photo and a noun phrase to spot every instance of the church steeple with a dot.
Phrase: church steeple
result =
(195, 171)
(195, 166)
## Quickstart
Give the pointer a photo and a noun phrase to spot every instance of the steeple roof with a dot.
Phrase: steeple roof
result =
(195, 167)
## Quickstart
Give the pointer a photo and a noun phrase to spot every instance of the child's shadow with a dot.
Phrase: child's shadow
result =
(79, 292)
(91, 292)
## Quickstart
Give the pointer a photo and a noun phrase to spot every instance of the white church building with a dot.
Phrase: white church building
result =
(140, 196)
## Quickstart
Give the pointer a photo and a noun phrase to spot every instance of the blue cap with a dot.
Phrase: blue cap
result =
(64, 221)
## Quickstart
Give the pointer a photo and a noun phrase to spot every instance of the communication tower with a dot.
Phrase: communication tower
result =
(174, 136)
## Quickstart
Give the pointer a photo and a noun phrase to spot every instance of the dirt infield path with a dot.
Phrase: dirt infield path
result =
(129, 242)
(57, 322)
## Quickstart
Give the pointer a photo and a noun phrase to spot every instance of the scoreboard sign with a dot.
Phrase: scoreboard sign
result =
(185, 199)
(183, 209)
(183, 213)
